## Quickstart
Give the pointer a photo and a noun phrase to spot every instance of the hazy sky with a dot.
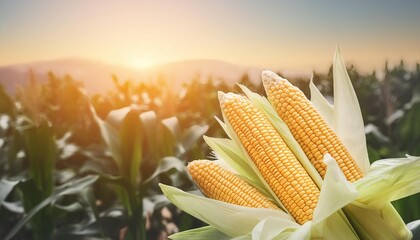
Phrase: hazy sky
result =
(293, 35)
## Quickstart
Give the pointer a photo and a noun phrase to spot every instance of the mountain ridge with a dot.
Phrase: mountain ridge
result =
(97, 76)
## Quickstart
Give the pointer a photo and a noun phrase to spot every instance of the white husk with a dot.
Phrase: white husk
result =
(230, 219)
(389, 180)
(365, 202)
(203, 233)
(323, 106)
(347, 115)
(372, 214)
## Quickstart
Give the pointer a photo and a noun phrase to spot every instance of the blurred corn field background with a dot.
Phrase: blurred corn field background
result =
(77, 166)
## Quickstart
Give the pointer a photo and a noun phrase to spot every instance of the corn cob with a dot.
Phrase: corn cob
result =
(275, 161)
(221, 184)
(308, 127)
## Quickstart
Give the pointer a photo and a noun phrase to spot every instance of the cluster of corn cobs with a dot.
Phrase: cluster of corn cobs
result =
(279, 167)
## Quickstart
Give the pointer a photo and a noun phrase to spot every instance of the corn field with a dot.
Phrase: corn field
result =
(80, 166)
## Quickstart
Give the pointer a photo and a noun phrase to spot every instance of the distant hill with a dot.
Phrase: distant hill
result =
(97, 77)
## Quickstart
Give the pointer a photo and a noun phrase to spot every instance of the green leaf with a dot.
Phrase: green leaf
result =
(42, 222)
(41, 151)
(150, 126)
(166, 164)
(116, 117)
(72, 207)
(5, 188)
(72, 187)
(15, 207)
(110, 136)
(408, 128)
(172, 124)
(203, 233)
(348, 120)
(131, 137)
(192, 135)
(170, 137)
(7, 105)
(230, 219)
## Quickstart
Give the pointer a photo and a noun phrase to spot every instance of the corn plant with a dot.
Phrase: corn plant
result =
(143, 148)
(41, 152)
(8, 141)
(36, 191)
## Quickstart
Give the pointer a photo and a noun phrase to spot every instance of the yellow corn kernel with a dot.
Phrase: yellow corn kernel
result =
(308, 127)
(218, 183)
(275, 161)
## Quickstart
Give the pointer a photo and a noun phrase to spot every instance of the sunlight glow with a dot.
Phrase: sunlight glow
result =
(141, 63)
(141, 34)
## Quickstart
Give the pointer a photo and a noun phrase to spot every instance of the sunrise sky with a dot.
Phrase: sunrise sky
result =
(293, 35)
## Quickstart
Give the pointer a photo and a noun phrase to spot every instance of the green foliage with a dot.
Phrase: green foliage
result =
(143, 147)
(33, 184)
(41, 153)
(73, 166)
(38, 207)
(6, 103)
(408, 127)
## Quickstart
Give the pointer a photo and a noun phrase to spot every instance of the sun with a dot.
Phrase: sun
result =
(142, 63)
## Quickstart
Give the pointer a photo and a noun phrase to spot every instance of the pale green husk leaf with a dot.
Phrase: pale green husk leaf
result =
(389, 180)
(224, 127)
(228, 150)
(348, 120)
(221, 162)
(377, 223)
(267, 229)
(230, 219)
(203, 233)
(323, 106)
(336, 226)
(304, 233)
(336, 191)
